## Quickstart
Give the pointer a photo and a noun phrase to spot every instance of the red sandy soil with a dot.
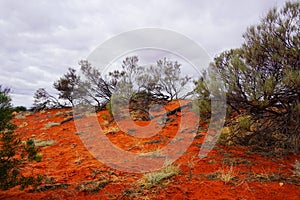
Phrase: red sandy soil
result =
(69, 162)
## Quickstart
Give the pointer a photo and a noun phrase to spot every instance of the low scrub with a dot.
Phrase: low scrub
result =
(226, 174)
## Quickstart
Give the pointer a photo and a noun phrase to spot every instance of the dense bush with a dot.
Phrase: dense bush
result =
(262, 80)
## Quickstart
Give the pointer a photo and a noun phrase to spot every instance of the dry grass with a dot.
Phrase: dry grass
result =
(153, 154)
(152, 179)
(43, 143)
(92, 186)
(28, 113)
(226, 174)
(111, 129)
(24, 124)
(104, 122)
(51, 124)
(38, 157)
(262, 177)
(78, 159)
(59, 113)
(20, 116)
(105, 117)
(91, 114)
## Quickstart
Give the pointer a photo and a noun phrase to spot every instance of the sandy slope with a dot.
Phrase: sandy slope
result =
(72, 172)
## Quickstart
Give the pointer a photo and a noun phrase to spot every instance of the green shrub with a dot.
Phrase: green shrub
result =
(108, 107)
(31, 149)
(262, 80)
(20, 109)
(38, 157)
(10, 147)
(202, 108)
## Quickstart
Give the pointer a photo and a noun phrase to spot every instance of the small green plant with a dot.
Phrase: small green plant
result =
(24, 182)
(224, 135)
(38, 157)
(114, 106)
(12, 152)
(31, 149)
(202, 107)
(108, 107)
(244, 122)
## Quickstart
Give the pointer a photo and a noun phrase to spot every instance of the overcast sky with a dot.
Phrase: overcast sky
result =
(40, 39)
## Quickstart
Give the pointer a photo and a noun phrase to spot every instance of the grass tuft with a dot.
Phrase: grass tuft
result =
(152, 179)
(51, 124)
(43, 143)
(226, 174)
(111, 129)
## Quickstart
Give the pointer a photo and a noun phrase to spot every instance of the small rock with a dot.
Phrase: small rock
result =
(280, 184)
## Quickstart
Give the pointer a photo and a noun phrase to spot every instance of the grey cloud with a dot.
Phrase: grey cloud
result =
(41, 39)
